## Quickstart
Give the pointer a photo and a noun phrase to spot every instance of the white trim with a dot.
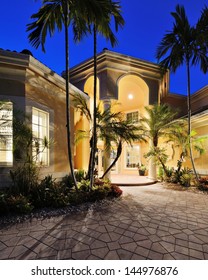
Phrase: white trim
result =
(47, 131)
(6, 135)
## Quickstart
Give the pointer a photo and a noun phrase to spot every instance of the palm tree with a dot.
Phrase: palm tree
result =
(102, 25)
(58, 14)
(180, 138)
(111, 128)
(156, 125)
(185, 44)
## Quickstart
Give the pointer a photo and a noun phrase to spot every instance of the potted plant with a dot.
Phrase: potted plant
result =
(142, 169)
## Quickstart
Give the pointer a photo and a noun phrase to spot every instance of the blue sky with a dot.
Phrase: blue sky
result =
(146, 23)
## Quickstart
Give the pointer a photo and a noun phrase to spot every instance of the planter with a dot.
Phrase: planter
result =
(141, 172)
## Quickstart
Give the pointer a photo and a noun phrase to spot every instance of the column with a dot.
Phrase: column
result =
(152, 172)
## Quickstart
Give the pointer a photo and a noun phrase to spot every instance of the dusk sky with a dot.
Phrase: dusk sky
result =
(146, 21)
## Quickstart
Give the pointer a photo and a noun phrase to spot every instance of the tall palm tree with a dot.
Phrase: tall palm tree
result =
(180, 138)
(185, 44)
(157, 123)
(102, 25)
(58, 14)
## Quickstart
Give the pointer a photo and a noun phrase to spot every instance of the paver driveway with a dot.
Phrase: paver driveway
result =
(149, 222)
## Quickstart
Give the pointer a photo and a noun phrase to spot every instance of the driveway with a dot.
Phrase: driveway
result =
(148, 222)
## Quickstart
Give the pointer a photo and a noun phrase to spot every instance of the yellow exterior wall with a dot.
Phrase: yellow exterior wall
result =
(82, 148)
(118, 77)
(28, 83)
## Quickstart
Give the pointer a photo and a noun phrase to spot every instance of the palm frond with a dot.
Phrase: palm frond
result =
(184, 42)
(80, 104)
(80, 135)
(47, 19)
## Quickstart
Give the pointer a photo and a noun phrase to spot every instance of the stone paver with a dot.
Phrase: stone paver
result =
(148, 222)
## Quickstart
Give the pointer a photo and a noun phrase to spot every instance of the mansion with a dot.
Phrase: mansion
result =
(28, 86)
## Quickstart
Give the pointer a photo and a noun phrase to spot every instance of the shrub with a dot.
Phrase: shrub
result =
(203, 180)
(4, 208)
(80, 175)
(101, 190)
(24, 178)
(49, 194)
(98, 193)
(186, 177)
(84, 185)
(19, 204)
(203, 187)
(182, 176)
(115, 191)
(68, 181)
(203, 184)
(186, 180)
(76, 198)
(166, 176)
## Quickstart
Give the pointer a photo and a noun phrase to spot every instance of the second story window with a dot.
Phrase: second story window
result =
(133, 117)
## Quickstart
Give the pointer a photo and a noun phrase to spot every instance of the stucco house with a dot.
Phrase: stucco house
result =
(38, 93)
(28, 85)
(134, 83)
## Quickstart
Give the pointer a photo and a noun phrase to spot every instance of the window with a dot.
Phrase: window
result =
(132, 156)
(133, 117)
(40, 129)
(6, 134)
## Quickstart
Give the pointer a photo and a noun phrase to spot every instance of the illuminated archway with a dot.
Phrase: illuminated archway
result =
(133, 92)
(133, 96)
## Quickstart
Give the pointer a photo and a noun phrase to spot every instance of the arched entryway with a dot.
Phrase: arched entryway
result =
(133, 96)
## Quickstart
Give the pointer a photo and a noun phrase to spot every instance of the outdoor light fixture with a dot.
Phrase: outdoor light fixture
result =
(130, 96)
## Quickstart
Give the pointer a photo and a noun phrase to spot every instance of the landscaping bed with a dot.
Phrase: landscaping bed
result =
(28, 197)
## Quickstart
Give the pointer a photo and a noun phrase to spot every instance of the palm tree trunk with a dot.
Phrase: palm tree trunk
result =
(163, 166)
(68, 119)
(118, 154)
(90, 160)
(189, 116)
(94, 136)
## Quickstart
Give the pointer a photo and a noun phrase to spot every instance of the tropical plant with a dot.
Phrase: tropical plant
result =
(68, 181)
(160, 156)
(81, 14)
(185, 44)
(24, 177)
(19, 204)
(111, 128)
(179, 136)
(102, 25)
(4, 208)
(54, 14)
(141, 168)
(186, 177)
(49, 193)
(156, 124)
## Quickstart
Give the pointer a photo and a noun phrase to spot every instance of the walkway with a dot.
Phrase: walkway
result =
(149, 222)
(131, 180)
